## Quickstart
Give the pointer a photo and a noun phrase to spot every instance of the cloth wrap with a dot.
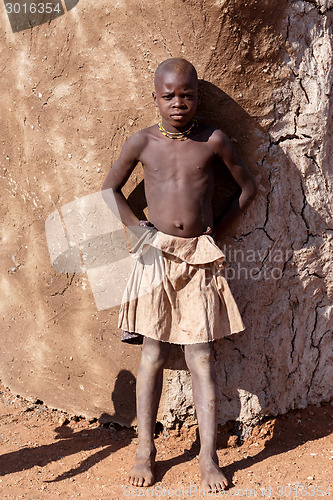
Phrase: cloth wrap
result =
(177, 291)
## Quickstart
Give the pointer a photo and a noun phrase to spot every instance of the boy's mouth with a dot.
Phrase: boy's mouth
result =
(177, 116)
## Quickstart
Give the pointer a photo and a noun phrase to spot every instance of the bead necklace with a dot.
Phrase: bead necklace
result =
(178, 136)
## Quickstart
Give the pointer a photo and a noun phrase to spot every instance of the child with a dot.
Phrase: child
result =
(192, 305)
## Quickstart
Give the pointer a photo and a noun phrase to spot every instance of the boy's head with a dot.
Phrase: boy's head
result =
(176, 92)
(175, 65)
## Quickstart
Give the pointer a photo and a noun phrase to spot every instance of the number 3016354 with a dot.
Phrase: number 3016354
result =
(32, 8)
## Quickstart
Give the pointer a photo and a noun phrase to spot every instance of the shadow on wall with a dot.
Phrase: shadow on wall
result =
(270, 365)
(24, 14)
(123, 398)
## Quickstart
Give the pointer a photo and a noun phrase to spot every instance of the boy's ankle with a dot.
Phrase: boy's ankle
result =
(205, 455)
(147, 450)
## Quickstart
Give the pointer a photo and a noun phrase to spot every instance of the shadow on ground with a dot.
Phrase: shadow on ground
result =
(281, 435)
(109, 436)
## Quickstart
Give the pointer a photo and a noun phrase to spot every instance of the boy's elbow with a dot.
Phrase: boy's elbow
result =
(107, 191)
(109, 184)
(251, 191)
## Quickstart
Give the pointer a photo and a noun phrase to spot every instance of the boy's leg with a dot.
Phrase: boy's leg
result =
(148, 393)
(200, 361)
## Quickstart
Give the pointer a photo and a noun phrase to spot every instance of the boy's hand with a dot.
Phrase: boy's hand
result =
(208, 230)
(145, 223)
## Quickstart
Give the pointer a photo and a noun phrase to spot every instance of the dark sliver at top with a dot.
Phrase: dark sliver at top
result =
(25, 15)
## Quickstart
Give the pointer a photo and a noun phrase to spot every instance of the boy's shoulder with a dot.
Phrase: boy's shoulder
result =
(138, 141)
(214, 135)
(141, 137)
(145, 133)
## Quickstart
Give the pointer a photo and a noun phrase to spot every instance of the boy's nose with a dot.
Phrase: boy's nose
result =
(177, 103)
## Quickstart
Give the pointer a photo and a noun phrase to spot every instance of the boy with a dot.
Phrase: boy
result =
(193, 304)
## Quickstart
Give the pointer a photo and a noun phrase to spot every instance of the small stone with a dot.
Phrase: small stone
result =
(232, 441)
(28, 408)
(62, 420)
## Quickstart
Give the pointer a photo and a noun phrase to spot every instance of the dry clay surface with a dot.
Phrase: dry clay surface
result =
(46, 456)
(73, 89)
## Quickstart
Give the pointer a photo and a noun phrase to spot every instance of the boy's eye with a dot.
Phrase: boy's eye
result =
(167, 97)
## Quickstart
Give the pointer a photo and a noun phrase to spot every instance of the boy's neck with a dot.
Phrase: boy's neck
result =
(176, 127)
(180, 133)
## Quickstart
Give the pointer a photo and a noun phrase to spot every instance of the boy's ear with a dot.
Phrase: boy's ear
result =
(154, 98)
(199, 96)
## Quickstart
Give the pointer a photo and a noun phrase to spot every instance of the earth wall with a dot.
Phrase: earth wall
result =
(75, 84)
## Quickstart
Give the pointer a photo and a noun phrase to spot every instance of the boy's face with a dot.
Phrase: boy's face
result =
(176, 96)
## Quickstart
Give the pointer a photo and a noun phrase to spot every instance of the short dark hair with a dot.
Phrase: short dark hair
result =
(176, 64)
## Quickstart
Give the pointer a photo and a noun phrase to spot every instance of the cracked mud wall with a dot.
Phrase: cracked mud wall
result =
(73, 90)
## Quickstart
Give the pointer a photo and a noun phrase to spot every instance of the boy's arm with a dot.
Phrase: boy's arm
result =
(224, 149)
(117, 177)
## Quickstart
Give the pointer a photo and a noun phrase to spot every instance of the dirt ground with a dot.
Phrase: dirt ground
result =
(47, 454)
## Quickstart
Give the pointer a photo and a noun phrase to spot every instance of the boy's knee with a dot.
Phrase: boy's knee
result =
(154, 353)
(199, 358)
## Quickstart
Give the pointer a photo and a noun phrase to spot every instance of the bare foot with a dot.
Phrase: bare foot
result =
(212, 477)
(142, 472)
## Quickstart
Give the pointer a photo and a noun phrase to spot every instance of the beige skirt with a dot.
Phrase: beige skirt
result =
(177, 291)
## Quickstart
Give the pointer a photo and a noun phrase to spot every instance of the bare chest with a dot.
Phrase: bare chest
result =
(177, 161)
